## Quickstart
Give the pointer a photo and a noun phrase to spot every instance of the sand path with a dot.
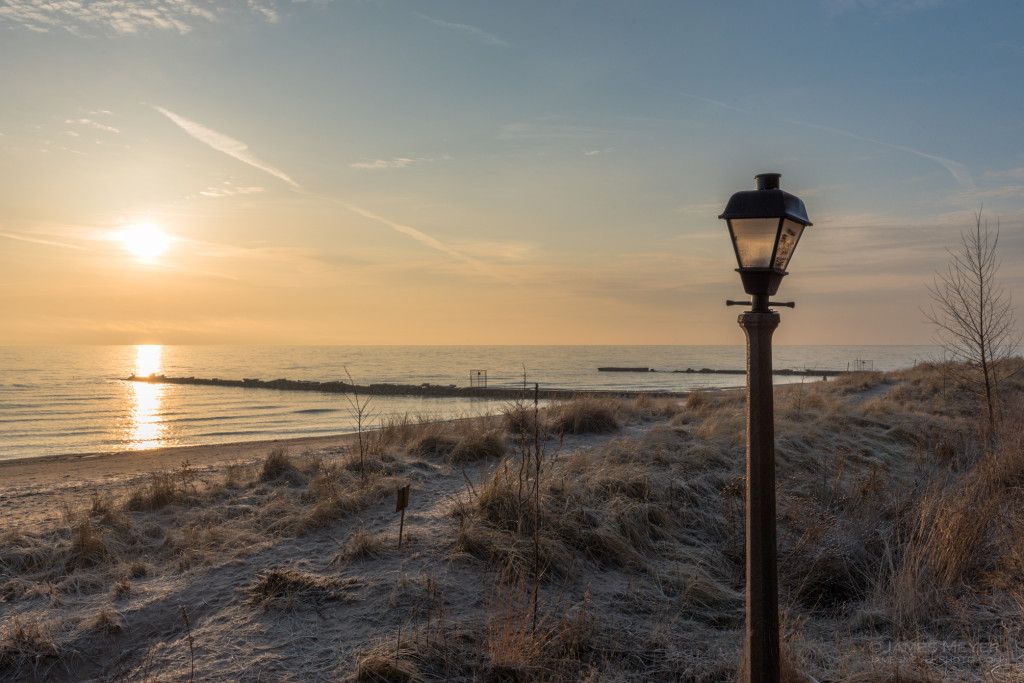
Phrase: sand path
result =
(311, 640)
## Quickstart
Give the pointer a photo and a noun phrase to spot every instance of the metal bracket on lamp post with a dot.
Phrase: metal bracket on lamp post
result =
(787, 304)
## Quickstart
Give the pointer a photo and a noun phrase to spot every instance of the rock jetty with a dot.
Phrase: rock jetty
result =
(426, 390)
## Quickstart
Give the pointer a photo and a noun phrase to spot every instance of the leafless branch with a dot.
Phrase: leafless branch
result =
(972, 313)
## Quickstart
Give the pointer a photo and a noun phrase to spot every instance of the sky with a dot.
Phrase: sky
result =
(455, 172)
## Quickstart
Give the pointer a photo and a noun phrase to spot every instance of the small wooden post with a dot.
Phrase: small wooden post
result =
(401, 503)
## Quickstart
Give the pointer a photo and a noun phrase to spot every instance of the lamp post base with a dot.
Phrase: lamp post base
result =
(762, 636)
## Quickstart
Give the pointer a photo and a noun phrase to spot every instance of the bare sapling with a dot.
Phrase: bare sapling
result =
(531, 462)
(973, 314)
(359, 410)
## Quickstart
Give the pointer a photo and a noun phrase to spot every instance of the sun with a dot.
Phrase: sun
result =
(145, 240)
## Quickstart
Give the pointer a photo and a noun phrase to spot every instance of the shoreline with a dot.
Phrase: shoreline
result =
(166, 451)
(37, 490)
(323, 440)
(89, 455)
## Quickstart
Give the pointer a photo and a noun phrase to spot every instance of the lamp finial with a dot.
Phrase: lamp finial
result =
(767, 181)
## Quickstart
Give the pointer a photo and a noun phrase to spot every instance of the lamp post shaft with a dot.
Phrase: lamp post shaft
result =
(762, 637)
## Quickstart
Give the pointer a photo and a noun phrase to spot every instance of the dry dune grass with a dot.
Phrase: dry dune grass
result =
(891, 509)
(586, 415)
(173, 517)
(455, 442)
(596, 539)
(507, 646)
(291, 589)
(27, 647)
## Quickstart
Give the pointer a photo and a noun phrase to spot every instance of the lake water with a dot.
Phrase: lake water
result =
(59, 400)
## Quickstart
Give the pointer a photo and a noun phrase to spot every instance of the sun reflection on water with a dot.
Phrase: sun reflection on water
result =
(146, 401)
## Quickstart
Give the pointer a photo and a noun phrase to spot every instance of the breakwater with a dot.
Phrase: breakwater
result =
(784, 372)
(425, 390)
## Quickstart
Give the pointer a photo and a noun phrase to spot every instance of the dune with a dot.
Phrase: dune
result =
(600, 539)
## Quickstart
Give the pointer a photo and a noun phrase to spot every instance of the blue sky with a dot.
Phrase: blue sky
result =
(335, 171)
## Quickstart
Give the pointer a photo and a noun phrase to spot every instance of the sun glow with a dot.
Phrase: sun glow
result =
(145, 425)
(145, 241)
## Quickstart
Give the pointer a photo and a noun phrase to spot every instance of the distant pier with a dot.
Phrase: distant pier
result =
(708, 371)
(452, 391)
(425, 390)
(785, 372)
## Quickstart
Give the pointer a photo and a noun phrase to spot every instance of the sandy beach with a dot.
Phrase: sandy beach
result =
(36, 489)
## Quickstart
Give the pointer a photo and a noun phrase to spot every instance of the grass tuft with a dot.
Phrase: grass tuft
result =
(278, 467)
(162, 489)
(290, 589)
(585, 415)
(363, 544)
(26, 644)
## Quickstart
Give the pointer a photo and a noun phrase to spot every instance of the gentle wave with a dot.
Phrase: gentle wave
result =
(58, 400)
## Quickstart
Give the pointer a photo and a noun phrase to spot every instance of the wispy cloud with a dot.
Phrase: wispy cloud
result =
(396, 162)
(231, 191)
(122, 16)
(959, 172)
(127, 17)
(1009, 191)
(717, 103)
(704, 209)
(93, 124)
(503, 251)
(543, 131)
(268, 13)
(222, 143)
(1011, 173)
(36, 240)
(473, 31)
(883, 6)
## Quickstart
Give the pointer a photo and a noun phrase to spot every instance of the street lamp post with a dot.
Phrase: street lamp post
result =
(765, 225)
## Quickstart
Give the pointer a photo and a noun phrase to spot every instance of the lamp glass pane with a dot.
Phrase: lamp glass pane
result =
(755, 240)
(788, 237)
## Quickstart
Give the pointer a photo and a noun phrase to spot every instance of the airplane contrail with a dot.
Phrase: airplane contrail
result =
(421, 237)
(959, 172)
(222, 143)
(239, 150)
